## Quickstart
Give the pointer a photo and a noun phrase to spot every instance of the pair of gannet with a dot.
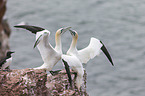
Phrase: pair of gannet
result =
(5, 62)
(74, 57)
(50, 55)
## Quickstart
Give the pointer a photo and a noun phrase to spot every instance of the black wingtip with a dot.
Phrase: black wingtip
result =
(68, 72)
(104, 49)
(33, 29)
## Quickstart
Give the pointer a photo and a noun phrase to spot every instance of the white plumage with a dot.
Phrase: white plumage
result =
(75, 57)
(76, 66)
(49, 55)
(93, 49)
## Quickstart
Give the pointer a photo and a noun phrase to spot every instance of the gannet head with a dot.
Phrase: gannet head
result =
(62, 30)
(58, 34)
(74, 33)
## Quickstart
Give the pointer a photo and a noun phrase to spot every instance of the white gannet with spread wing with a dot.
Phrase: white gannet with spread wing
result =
(92, 50)
(75, 57)
(49, 54)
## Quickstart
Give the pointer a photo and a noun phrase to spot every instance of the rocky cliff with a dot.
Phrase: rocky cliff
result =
(30, 82)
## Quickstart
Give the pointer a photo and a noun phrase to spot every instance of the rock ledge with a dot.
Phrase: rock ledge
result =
(28, 82)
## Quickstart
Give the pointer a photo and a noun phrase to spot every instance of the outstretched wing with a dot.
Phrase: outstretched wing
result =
(33, 29)
(92, 50)
(47, 52)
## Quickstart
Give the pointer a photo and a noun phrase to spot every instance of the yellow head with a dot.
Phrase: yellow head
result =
(61, 31)
(74, 34)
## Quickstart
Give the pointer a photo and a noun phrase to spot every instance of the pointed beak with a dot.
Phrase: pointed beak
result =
(39, 38)
(105, 51)
(65, 29)
(72, 32)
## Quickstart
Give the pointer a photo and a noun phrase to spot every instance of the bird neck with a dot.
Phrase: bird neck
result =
(58, 46)
(73, 45)
(44, 43)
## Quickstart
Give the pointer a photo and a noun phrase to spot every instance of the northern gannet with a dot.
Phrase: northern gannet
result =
(5, 62)
(49, 54)
(92, 50)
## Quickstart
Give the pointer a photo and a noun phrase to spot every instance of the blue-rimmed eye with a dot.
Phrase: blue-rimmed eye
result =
(62, 30)
(72, 32)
